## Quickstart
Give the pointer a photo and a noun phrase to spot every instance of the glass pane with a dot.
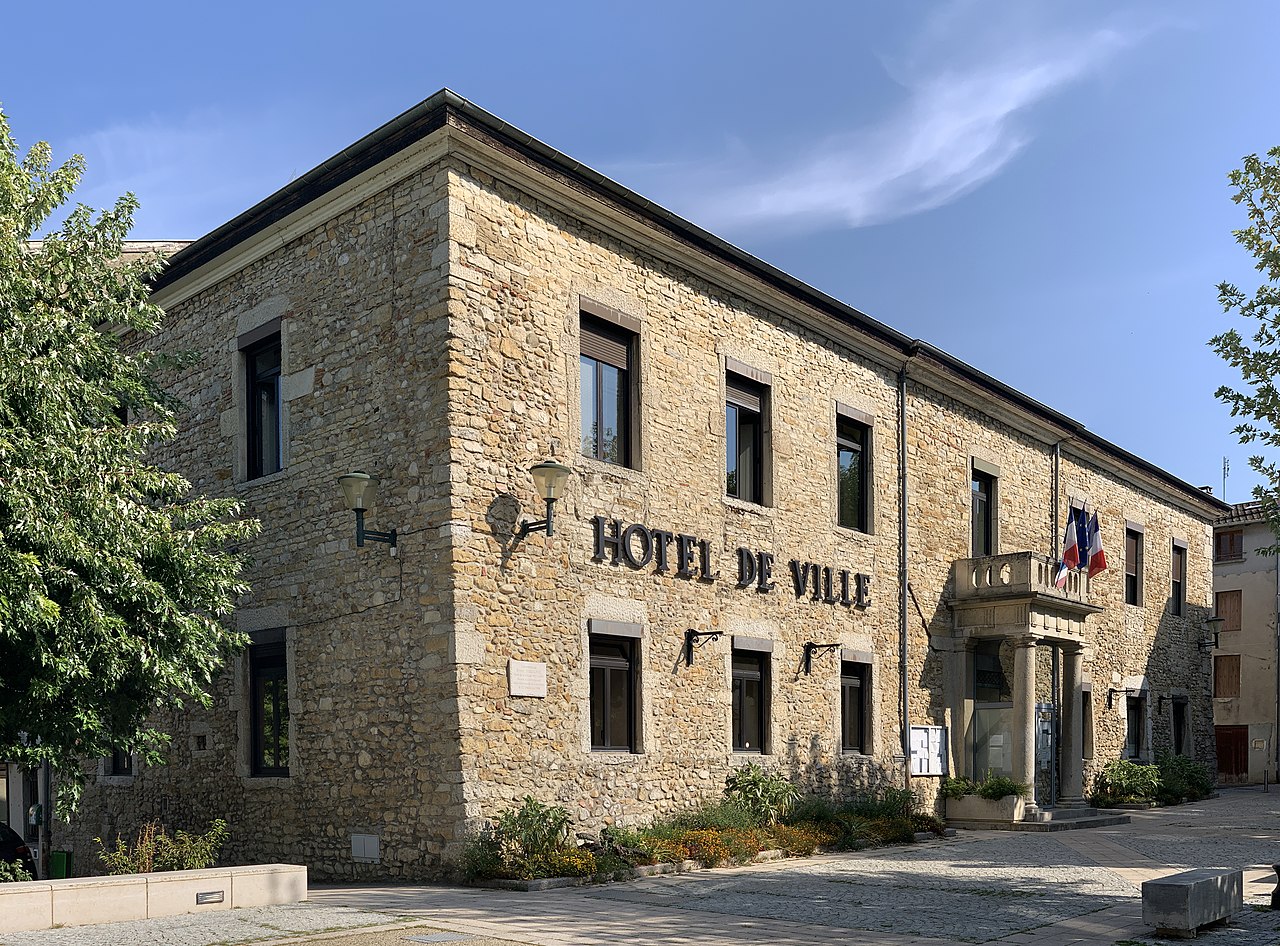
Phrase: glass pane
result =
(269, 425)
(611, 394)
(748, 455)
(993, 740)
(850, 486)
(851, 713)
(587, 376)
(599, 704)
(731, 449)
(751, 715)
(619, 709)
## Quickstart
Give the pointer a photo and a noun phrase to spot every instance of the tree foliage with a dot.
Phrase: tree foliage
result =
(1257, 189)
(113, 578)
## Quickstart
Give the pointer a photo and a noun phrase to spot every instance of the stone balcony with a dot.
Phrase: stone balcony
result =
(1015, 594)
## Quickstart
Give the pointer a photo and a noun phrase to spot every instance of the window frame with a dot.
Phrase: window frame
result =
(746, 407)
(742, 674)
(603, 345)
(1133, 552)
(1178, 579)
(118, 764)
(1234, 551)
(1135, 725)
(268, 664)
(630, 665)
(986, 519)
(257, 464)
(855, 676)
(1180, 734)
(854, 435)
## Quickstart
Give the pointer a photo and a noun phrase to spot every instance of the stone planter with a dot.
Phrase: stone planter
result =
(976, 811)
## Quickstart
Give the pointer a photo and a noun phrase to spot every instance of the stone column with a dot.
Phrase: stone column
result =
(1072, 727)
(1024, 713)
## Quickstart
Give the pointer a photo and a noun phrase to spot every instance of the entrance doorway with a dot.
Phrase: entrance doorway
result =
(1233, 753)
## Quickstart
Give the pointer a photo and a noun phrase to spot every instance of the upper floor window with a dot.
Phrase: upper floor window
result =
(1178, 579)
(605, 370)
(269, 705)
(1132, 567)
(1226, 675)
(613, 689)
(853, 448)
(745, 405)
(983, 513)
(263, 407)
(1227, 605)
(1228, 545)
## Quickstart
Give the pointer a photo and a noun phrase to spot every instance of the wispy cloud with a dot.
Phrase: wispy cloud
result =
(962, 118)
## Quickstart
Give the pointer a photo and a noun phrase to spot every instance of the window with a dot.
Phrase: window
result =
(1226, 604)
(855, 680)
(613, 689)
(1086, 724)
(853, 447)
(120, 763)
(744, 438)
(1181, 725)
(1178, 580)
(1132, 567)
(1135, 743)
(269, 709)
(262, 400)
(605, 373)
(1228, 545)
(750, 681)
(1226, 676)
(984, 513)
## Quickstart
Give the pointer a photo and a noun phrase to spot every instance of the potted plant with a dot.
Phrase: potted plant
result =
(996, 799)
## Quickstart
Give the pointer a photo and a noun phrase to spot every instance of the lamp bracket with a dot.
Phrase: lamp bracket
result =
(811, 648)
(362, 533)
(546, 525)
(691, 638)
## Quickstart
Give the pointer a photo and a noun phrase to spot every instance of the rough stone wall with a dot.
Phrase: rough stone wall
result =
(373, 731)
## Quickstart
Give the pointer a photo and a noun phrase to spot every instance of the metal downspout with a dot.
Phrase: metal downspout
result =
(902, 577)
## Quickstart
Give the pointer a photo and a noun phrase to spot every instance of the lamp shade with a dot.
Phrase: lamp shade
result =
(359, 489)
(550, 479)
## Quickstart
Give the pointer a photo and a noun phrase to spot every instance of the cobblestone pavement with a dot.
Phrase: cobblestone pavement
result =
(1076, 887)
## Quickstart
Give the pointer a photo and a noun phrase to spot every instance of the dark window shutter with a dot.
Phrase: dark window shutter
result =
(600, 343)
(743, 394)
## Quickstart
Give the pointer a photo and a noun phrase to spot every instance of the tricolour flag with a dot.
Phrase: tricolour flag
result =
(1097, 558)
(1070, 549)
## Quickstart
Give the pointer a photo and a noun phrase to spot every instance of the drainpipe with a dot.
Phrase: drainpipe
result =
(1053, 539)
(905, 695)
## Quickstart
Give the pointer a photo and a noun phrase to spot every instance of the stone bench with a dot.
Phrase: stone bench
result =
(81, 901)
(1180, 904)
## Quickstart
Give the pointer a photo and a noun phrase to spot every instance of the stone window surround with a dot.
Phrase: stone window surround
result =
(868, 421)
(634, 323)
(119, 781)
(252, 621)
(634, 631)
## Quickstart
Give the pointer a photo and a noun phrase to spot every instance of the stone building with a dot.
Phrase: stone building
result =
(790, 534)
(1246, 587)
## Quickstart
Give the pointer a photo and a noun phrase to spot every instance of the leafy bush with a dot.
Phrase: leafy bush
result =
(13, 872)
(533, 829)
(802, 839)
(714, 816)
(1122, 781)
(991, 787)
(930, 823)
(1182, 779)
(154, 850)
(765, 795)
(958, 787)
(531, 840)
(887, 803)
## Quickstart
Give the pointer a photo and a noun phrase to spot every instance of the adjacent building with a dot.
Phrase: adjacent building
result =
(1246, 588)
(789, 533)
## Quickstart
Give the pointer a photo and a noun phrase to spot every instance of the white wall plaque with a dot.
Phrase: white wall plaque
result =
(527, 678)
(928, 750)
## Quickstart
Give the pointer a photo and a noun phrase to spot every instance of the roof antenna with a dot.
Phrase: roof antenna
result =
(1226, 468)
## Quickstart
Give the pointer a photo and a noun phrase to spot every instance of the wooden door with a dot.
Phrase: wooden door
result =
(1233, 753)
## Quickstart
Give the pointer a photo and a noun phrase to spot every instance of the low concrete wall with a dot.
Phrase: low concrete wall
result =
(43, 904)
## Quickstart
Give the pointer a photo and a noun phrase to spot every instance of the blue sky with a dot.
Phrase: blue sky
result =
(1038, 188)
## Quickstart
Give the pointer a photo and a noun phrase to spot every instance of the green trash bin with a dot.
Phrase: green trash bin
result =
(59, 864)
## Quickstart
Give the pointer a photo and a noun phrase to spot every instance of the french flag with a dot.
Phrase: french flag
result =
(1070, 548)
(1097, 557)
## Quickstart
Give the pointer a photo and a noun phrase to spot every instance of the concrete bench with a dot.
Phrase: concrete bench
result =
(1180, 904)
(79, 901)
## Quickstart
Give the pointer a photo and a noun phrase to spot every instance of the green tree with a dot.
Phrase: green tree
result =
(1257, 189)
(113, 578)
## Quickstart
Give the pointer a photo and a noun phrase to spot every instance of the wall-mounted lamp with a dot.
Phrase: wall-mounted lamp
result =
(360, 490)
(1113, 692)
(1160, 703)
(810, 648)
(691, 638)
(1212, 624)
(549, 479)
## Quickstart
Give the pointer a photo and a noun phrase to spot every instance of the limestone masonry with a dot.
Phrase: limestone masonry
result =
(857, 528)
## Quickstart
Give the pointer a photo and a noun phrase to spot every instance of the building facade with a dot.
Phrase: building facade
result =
(1246, 588)
(791, 535)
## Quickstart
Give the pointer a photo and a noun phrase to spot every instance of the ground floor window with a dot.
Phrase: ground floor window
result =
(750, 710)
(1181, 725)
(613, 689)
(119, 763)
(855, 680)
(269, 709)
(1135, 743)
